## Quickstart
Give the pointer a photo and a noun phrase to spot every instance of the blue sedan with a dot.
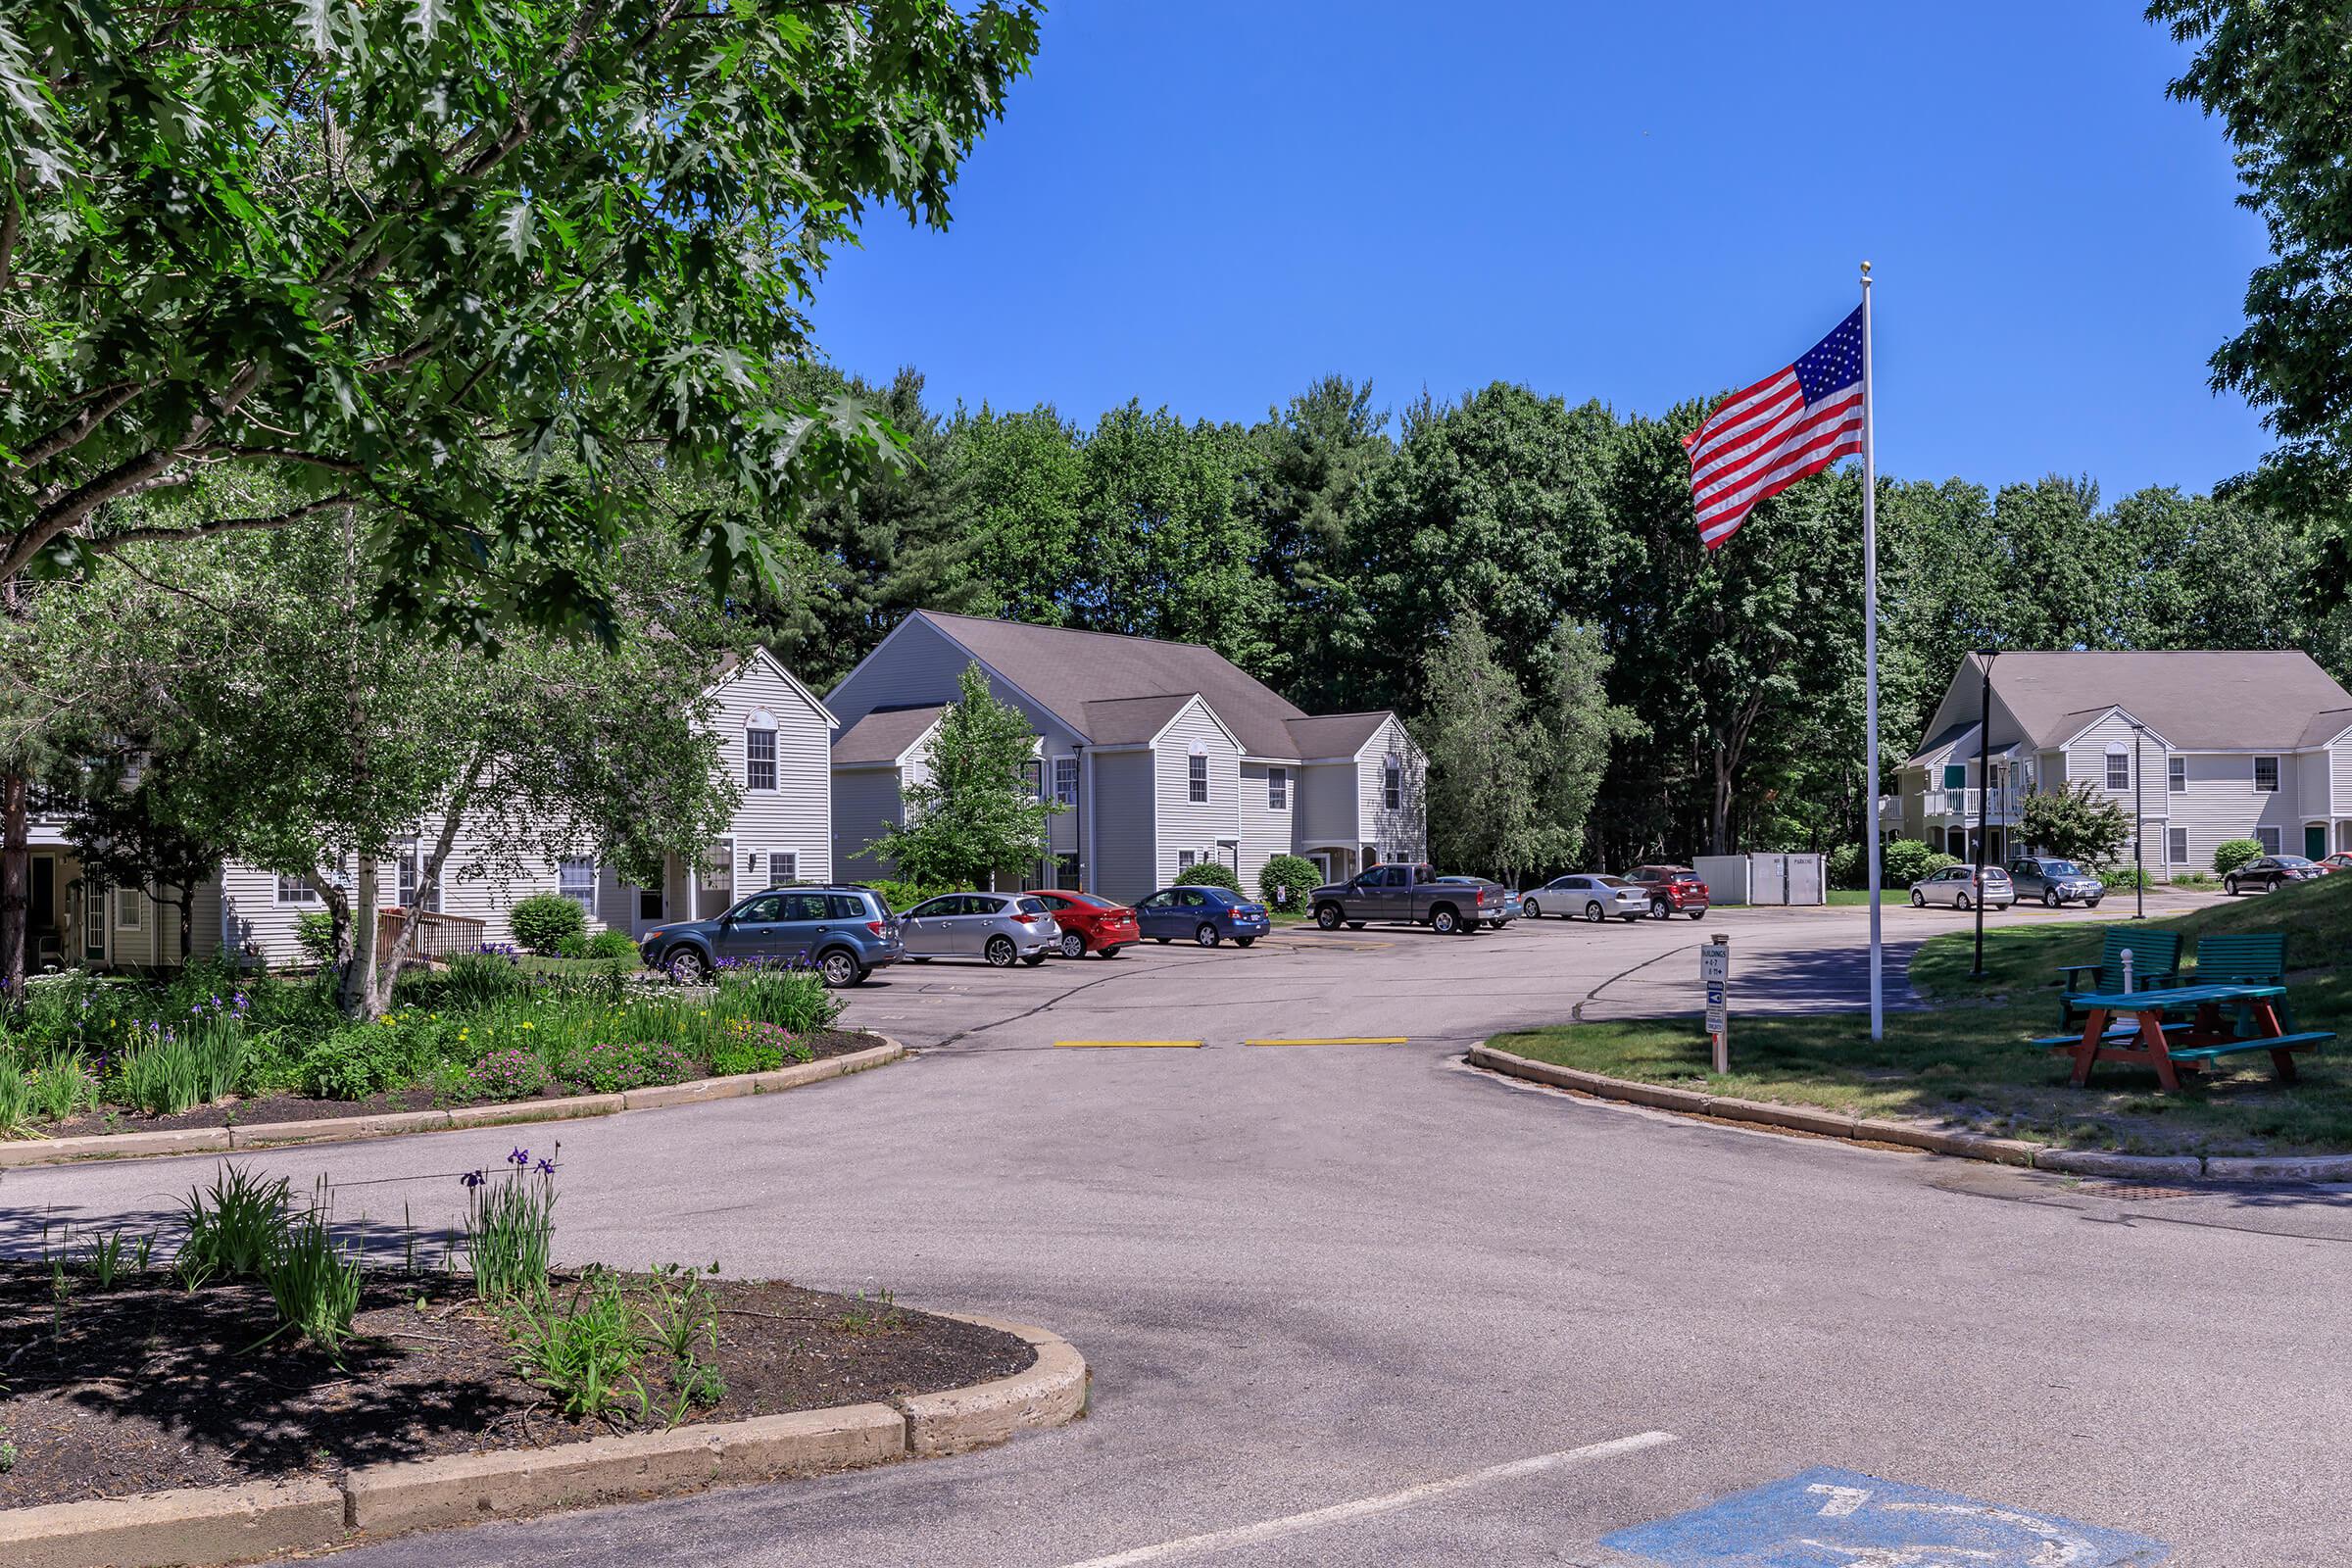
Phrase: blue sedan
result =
(1205, 915)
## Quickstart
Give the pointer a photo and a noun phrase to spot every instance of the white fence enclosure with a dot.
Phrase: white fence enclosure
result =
(1762, 878)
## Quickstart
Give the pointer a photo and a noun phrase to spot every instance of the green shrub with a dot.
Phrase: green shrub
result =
(1210, 874)
(315, 933)
(1847, 866)
(235, 1229)
(506, 1073)
(479, 979)
(573, 944)
(898, 897)
(2126, 877)
(2232, 854)
(745, 1045)
(792, 999)
(543, 920)
(1903, 861)
(612, 945)
(1285, 881)
(364, 1059)
(314, 1284)
(608, 1067)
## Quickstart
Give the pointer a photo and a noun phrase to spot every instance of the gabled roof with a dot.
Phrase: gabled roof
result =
(2327, 727)
(1132, 720)
(1334, 734)
(730, 665)
(1069, 670)
(2200, 699)
(884, 735)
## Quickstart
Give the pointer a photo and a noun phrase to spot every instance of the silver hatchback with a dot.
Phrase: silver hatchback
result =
(1589, 893)
(1955, 887)
(998, 928)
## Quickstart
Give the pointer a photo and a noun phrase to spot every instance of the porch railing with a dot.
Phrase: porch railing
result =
(2005, 806)
(438, 934)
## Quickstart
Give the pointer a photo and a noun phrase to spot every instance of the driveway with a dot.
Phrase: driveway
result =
(1359, 1305)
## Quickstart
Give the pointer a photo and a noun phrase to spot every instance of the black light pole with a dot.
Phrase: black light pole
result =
(2139, 868)
(1984, 801)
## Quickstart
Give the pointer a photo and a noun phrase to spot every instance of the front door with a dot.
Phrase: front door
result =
(2314, 841)
(43, 911)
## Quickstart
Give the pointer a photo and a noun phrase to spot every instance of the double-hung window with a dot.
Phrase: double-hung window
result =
(409, 857)
(1392, 782)
(1197, 778)
(2268, 838)
(2175, 775)
(295, 889)
(1186, 859)
(2266, 775)
(127, 909)
(758, 759)
(2119, 770)
(2175, 846)
(1065, 780)
(575, 879)
(783, 867)
(1278, 789)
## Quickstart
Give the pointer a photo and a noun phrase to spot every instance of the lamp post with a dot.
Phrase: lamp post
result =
(2140, 870)
(1983, 799)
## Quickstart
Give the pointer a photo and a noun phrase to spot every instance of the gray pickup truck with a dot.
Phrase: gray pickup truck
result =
(1408, 893)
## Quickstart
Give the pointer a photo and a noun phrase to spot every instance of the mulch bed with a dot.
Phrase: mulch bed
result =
(299, 1108)
(145, 1386)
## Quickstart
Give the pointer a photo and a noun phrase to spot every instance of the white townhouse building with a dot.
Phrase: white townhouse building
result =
(1163, 755)
(2213, 746)
(774, 742)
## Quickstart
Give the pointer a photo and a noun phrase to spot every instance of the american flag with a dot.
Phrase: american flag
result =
(1795, 422)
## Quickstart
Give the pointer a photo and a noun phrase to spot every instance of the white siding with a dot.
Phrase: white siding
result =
(796, 817)
(1398, 833)
(1183, 824)
(1122, 829)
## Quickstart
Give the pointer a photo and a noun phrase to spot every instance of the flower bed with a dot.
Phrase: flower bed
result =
(255, 1341)
(214, 1048)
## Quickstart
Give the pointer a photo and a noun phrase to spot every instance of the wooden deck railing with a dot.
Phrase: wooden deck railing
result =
(438, 934)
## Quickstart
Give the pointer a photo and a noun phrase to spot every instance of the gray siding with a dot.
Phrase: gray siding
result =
(1126, 853)
(864, 800)
(1266, 831)
(1398, 833)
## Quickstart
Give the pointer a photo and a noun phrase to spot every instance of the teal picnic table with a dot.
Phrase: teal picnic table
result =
(2128, 1026)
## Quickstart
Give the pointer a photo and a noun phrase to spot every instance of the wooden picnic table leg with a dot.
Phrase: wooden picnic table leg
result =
(2266, 1024)
(2152, 1039)
(2093, 1026)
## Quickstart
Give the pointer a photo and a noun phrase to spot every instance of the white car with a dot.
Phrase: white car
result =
(1589, 893)
(1956, 887)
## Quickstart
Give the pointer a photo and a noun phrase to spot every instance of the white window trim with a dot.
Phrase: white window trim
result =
(2272, 840)
(127, 901)
(587, 900)
(1186, 859)
(1068, 796)
(2172, 836)
(2117, 753)
(305, 896)
(1391, 783)
(1195, 778)
(2278, 776)
(1278, 789)
(792, 866)
(2175, 775)
(719, 875)
(775, 766)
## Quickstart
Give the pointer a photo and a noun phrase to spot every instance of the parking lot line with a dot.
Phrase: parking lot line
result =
(1364, 1508)
(1335, 1040)
(1129, 1044)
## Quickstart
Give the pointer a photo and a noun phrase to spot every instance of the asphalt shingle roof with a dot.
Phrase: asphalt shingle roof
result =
(883, 735)
(2201, 700)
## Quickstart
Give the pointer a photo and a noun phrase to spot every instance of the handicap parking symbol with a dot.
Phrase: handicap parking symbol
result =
(1838, 1519)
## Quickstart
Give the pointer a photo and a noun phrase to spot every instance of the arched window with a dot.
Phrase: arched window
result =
(760, 751)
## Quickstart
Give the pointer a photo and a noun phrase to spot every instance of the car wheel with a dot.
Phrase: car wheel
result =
(1919, 899)
(1000, 952)
(1205, 934)
(912, 958)
(1033, 959)
(1163, 941)
(1355, 926)
(2090, 904)
(1660, 909)
(1643, 916)
(1962, 903)
(1699, 914)
(1444, 922)
(2229, 886)
(1073, 945)
(1112, 953)
(1594, 912)
(2049, 896)
(839, 969)
(1532, 909)
(1243, 942)
(688, 965)
(1327, 916)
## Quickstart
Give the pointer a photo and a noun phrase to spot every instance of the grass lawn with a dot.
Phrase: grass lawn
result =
(1963, 1061)
(1860, 897)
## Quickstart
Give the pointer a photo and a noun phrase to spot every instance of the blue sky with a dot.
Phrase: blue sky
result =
(1207, 204)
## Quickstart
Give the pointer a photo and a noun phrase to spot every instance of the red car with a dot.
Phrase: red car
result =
(2340, 860)
(1673, 890)
(1090, 924)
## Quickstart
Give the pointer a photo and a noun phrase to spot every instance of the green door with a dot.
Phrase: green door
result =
(2314, 841)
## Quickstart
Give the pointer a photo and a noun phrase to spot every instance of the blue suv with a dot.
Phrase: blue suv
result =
(1204, 914)
(843, 930)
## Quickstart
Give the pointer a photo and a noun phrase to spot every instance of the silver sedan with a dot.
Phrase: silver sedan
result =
(1589, 893)
(1956, 888)
(998, 928)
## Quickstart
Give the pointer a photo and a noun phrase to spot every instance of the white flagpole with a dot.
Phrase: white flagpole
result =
(1870, 662)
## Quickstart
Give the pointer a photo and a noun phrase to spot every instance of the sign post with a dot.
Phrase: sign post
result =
(1715, 973)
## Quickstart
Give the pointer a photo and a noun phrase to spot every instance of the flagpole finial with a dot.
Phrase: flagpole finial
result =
(1866, 271)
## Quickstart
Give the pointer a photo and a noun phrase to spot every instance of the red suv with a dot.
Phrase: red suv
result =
(1673, 890)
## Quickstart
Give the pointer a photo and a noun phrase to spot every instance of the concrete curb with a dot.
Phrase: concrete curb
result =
(339, 1129)
(2170, 1168)
(209, 1526)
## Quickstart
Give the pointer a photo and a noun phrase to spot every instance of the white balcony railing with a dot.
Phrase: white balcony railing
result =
(2004, 807)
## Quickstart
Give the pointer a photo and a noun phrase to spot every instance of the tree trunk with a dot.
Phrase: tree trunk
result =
(428, 883)
(15, 877)
(338, 914)
(188, 923)
(358, 993)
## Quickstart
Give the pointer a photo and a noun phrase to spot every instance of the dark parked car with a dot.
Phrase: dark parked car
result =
(1412, 894)
(1207, 915)
(844, 931)
(2054, 881)
(1089, 924)
(1673, 890)
(2270, 874)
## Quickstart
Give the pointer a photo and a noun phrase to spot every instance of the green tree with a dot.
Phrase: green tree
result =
(1482, 806)
(975, 812)
(1018, 483)
(1572, 725)
(2075, 824)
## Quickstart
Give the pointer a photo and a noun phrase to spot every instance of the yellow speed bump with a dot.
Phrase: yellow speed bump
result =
(1128, 1045)
(1334, 1040)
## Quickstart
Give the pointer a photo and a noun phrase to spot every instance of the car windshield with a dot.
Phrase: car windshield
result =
(1612, 882)
(2060, 868)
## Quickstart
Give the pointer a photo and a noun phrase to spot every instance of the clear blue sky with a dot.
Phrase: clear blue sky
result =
(1207, 203)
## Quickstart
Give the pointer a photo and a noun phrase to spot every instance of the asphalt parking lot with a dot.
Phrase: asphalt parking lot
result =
(1360, 1304)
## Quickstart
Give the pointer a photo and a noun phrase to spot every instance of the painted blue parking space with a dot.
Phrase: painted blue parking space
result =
(1839, 1519)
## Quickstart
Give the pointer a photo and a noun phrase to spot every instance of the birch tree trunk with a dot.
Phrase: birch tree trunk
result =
(357, 994)
(15, 869)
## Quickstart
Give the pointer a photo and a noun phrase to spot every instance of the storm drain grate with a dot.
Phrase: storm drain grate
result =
(2135, 1191)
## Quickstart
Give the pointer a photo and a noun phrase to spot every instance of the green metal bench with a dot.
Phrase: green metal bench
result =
(2155, 964)
(2281, 1048)
(2256, 958)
